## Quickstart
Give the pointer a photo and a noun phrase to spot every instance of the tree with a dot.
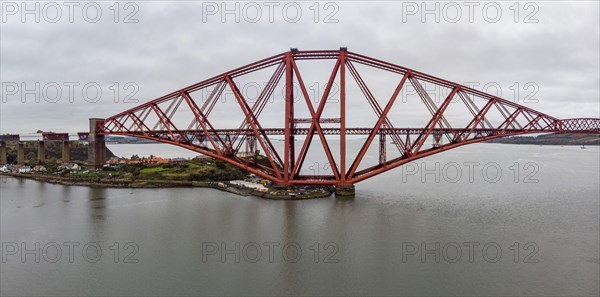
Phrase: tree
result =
(220, 164)
(32, 158)
(256, 155)
(51, 163)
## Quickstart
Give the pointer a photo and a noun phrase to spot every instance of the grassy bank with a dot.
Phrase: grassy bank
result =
(206, 173)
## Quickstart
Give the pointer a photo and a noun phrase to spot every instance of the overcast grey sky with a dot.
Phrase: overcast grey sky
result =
(158, 47)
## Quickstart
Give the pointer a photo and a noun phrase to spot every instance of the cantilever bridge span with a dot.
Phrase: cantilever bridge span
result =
(451, 116)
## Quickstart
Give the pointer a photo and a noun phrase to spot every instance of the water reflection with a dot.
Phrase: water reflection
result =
(66, 194)
(560, 214)
(97, 212)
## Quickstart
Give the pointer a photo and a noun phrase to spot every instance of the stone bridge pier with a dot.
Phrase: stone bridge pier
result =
(41, 151)
(66, 151)
(96, 146)
(3, 158)
(21, 153)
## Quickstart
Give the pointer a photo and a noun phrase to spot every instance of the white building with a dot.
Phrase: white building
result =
(71, 166)
(246, 184)
(24, 169)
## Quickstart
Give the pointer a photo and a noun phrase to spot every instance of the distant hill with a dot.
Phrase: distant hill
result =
(552, 139)
(126, 140)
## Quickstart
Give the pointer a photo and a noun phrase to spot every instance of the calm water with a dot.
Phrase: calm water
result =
(383, 242)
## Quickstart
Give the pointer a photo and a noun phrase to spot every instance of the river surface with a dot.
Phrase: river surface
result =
(484, 219)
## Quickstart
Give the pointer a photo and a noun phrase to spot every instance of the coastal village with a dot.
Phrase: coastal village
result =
(77, 168)
(159, 172)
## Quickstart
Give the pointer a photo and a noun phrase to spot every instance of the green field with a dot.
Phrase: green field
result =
(193, 170)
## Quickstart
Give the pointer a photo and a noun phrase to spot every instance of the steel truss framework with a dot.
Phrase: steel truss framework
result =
(225, 144)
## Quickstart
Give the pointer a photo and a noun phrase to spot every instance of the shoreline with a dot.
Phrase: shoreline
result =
(148, 184)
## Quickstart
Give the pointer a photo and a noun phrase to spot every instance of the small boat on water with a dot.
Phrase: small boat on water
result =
(583, 147)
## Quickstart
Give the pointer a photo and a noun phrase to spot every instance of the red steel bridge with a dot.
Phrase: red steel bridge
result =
(462, 116)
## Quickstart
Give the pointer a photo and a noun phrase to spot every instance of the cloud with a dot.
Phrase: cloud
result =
(172, 46)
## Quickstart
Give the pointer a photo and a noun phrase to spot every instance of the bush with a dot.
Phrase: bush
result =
(220, 164)
(197, 176)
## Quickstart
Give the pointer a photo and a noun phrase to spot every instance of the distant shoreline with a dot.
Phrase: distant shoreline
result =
(538, 143)
(551, 139)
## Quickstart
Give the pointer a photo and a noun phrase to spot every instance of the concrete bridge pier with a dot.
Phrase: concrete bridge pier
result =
(20, 153)
(344, 191)
(96, 146)
(3, 152)
(66, 151)
(41, 151)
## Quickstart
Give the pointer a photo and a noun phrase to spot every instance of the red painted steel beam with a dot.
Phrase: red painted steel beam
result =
(289, 119)
(52, 136)
(367, 131)
(316, 115)
(377, 127)
(250, 118)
